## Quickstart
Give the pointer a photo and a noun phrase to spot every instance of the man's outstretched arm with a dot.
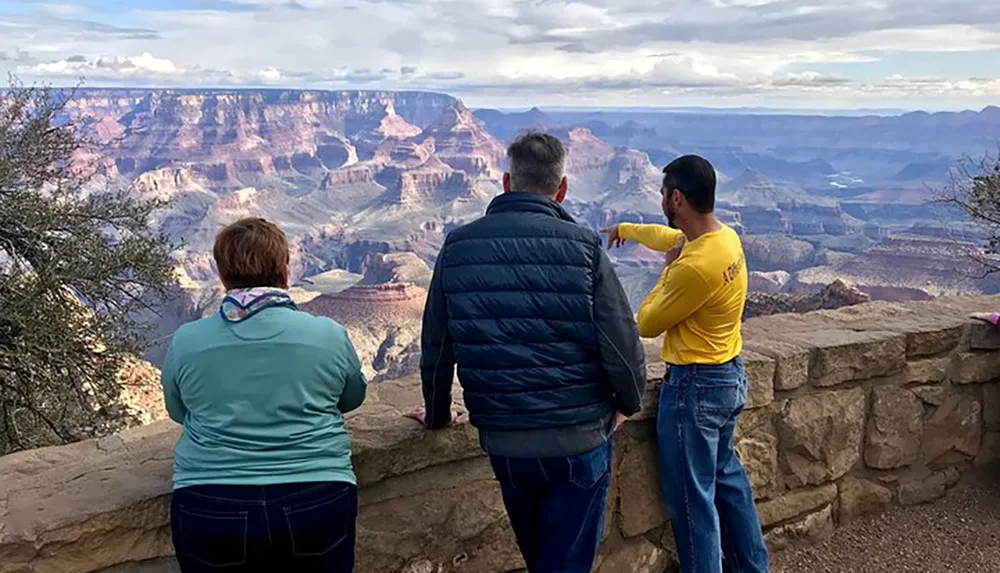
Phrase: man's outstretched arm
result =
(437, 358)
(678, 294)
(622, 356)
(654, 237)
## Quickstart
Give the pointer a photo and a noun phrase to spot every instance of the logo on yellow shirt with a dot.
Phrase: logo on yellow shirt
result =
(733, 270)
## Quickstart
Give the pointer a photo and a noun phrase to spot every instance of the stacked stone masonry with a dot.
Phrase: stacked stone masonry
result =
(849, 410)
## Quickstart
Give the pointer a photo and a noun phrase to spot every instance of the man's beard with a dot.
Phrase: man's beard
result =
(671, 218)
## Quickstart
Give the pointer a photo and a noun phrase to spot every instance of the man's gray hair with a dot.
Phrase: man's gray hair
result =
(536, 162)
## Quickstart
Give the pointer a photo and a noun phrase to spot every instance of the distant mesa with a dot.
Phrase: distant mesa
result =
(432, 183)
(507, 125)
(368, 303)
(348, 176)
(382, 313)
(383, 321)
(397, 268)
(403, 154)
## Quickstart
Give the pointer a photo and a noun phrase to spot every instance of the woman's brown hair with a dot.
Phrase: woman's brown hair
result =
(252, 252)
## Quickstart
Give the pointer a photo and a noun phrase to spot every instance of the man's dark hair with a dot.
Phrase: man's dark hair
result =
(537, 161)
(694, 177)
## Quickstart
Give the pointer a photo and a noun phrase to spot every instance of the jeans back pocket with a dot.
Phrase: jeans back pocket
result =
(720, 392)
(320, 525)
(214, 538)
(588, 469)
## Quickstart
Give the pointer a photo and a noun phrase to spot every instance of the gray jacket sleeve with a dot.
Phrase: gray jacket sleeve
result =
(622, 356)
(437, 358)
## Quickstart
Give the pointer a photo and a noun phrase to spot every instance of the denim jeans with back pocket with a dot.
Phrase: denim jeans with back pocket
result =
(556, 507)
(705, 488)
(300, 528)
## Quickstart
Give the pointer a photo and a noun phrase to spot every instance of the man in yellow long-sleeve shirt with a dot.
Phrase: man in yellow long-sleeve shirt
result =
(697, 305)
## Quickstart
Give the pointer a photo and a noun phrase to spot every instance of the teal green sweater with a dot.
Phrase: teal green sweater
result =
(262, 401)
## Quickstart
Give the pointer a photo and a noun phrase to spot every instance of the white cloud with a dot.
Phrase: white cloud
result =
(270, 74)
(143, 65)
(508, 51)
(810, 79)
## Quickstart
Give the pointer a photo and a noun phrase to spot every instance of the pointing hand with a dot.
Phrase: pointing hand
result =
(614, 239)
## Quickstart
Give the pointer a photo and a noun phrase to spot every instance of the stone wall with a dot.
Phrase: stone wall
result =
(849, 410)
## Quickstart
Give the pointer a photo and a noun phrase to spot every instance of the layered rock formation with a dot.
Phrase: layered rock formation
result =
(371, 131)
(241, 138)
(837, 294)
(766, 207)
(903, 267)
(383, 321)
(768, 282)
(462, 142)
(777, 253)
(848, 411)
(397, 268)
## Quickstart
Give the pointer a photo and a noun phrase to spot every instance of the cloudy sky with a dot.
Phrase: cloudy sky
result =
(927, 54)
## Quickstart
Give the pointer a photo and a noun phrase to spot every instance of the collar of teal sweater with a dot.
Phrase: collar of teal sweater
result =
(240, 304)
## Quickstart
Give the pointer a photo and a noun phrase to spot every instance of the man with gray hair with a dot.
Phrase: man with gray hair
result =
(526, 303)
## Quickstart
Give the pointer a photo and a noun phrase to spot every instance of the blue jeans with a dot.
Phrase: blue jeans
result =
(705, 488)
(305, 528)
(556, 507)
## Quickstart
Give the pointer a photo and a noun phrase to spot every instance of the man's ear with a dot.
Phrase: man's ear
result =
(678, 199)
(506, 182)
(563, 187)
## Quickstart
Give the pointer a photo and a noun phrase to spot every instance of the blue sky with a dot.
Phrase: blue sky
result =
(911, 54)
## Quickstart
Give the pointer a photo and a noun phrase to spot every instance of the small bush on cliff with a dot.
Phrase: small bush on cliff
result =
(975, 189)
(76, 266)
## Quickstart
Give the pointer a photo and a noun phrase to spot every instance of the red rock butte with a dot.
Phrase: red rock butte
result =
(365, 304)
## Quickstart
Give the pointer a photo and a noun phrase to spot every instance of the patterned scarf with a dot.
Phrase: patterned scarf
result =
(241, 304)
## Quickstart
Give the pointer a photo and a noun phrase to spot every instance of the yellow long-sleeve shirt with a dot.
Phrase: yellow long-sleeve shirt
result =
(698, 302)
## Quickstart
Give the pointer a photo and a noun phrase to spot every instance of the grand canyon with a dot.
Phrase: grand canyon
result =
(367, 184)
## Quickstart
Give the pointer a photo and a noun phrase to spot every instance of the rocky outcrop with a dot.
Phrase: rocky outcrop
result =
(766, 207)
(383, 321)
(772, 282)
(348, 176)
(849, 439)
(397, 268)
(835, 295)
(433, 183)
(371, 131)
(585, 152)
(777, 252)
(462, 142)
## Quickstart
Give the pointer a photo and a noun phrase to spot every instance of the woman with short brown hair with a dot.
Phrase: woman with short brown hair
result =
(262, 471)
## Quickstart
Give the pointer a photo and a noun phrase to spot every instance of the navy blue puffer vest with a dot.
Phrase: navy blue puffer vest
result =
(519, 286)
